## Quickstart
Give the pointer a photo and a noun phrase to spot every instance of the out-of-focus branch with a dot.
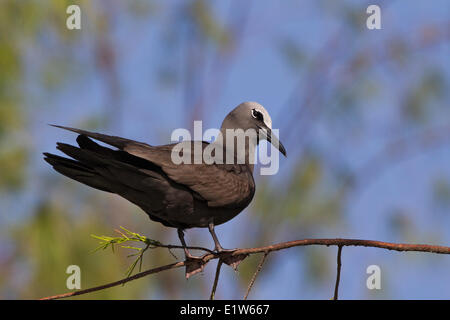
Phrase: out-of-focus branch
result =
(400, 149)
(228, 256)
(318, 76)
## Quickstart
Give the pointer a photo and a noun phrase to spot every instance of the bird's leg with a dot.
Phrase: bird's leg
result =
(217, 245)
(187, 254)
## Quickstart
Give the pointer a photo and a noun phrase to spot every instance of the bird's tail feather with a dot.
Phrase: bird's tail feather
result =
(109, 170)
(77, 170)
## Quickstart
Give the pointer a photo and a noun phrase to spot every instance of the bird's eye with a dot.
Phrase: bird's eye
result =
(257, 115)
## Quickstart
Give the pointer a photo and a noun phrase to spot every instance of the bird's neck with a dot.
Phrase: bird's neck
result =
(237, 148)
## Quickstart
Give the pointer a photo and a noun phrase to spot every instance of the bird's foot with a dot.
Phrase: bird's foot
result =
(189, 256)
(194, 265)
(192, 257)
(229, 258)
(218, 248)
(222, 250)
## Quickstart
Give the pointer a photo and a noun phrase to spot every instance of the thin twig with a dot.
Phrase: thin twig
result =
(275, 247)
(258, 269)
(338, 274)
(171, 246)
(216, 280)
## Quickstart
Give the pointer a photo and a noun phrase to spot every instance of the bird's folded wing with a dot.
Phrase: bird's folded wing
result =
(219, 185)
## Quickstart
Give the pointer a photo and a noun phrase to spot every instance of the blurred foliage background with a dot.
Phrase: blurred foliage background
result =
(364, 115)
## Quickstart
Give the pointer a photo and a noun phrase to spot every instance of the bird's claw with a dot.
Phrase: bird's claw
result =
(192, 257)
(222, 250)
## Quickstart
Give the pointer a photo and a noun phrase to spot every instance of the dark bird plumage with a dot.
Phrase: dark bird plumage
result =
(177, 195)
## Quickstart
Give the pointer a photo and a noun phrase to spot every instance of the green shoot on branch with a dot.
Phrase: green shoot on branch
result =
(128, 236)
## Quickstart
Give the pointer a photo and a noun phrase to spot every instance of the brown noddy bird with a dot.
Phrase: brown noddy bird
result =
(184, 195)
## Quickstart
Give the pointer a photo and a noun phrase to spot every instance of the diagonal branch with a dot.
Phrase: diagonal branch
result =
(258, 269)
(275, 247)
(119, 282)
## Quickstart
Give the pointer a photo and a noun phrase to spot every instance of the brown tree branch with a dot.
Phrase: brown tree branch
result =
(119, 282)
(275, 247)
(338, 274)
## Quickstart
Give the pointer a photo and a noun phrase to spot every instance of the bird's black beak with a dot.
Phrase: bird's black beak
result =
(267, 134)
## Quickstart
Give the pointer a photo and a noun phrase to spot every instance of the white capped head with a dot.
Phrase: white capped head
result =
(252, 115)
(246, 116)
